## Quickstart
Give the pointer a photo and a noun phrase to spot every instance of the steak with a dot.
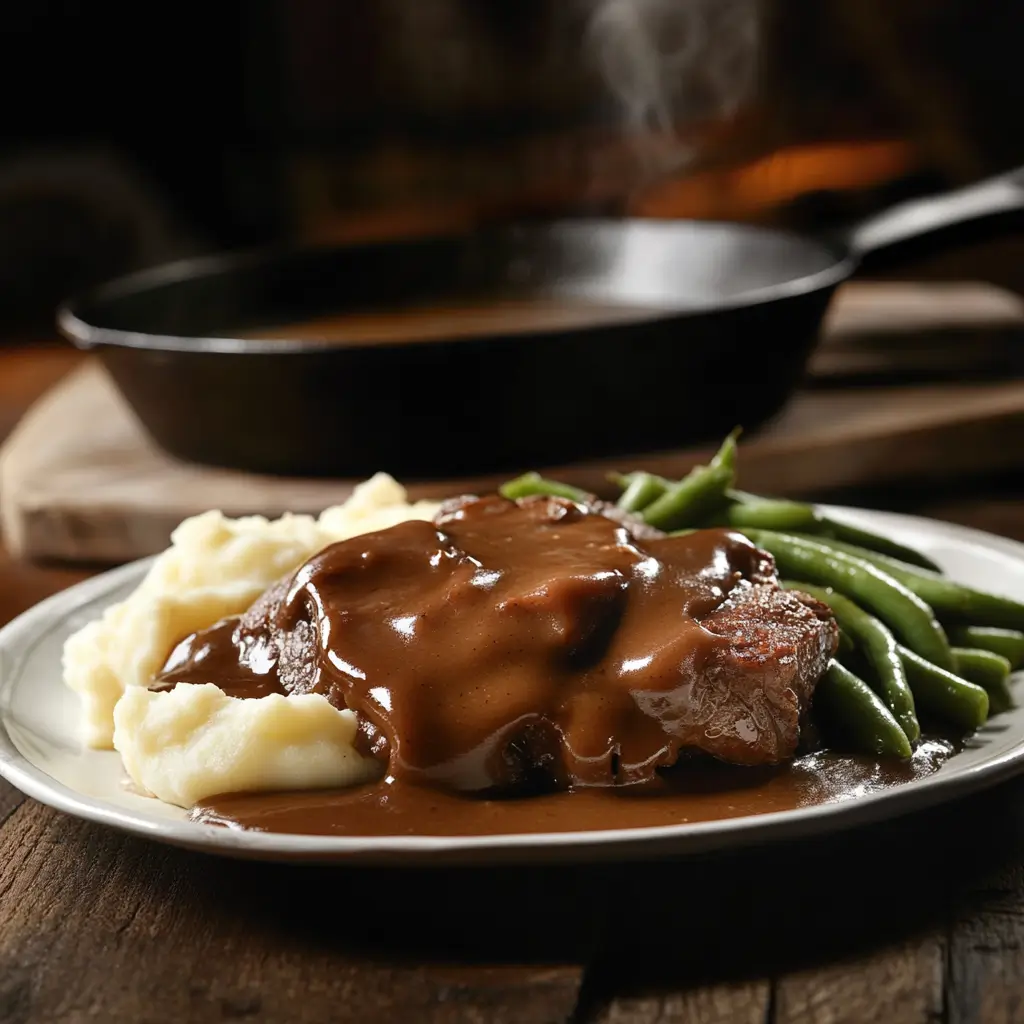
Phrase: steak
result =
(511, 645)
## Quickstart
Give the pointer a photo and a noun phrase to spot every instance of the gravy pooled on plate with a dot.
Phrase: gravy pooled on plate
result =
(690, 793)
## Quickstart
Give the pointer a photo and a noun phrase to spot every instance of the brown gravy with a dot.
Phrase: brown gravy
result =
(684, 796)
(521, 646)
(594, 673)
(458, 320)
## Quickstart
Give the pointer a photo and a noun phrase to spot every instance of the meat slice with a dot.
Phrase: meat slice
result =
(752, 696)
(539, 642)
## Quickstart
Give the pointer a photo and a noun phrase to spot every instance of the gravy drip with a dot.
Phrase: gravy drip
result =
(690, 793)
(505, 646)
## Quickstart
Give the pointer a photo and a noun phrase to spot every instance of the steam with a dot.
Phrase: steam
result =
(672, 63)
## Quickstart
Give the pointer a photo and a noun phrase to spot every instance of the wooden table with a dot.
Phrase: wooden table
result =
(917, 921)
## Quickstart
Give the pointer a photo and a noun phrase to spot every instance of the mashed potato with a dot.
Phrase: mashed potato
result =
(194, 741)
(215, 567)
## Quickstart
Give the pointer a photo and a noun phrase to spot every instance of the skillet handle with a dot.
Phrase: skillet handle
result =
(921, 218)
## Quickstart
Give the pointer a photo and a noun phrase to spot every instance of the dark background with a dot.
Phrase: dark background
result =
(133, 133)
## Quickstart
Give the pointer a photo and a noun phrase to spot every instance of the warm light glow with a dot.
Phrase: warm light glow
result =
(776, 179)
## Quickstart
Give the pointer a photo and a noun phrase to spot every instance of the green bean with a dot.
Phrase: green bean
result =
(957, 603)
(874, 542)
(771, 514)
(950, 601)
(879, 648)
(698, 494)
(799, 517)
(990, 671)
(846, 647)
(904, 612)
(1007, 642)
(853, 708)
(623, 480)
(641, 491)
(945, 695)
(735, 494)
(533, 483)
(885, 562)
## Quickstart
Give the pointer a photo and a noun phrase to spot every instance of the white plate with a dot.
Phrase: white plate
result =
(41, 755)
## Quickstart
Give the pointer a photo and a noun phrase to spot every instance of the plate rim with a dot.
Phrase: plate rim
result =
(20, 635)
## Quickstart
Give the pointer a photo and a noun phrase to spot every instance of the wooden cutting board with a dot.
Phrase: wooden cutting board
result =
(79, 480)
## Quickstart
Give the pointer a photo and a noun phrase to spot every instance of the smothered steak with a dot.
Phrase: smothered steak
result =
(514, 644)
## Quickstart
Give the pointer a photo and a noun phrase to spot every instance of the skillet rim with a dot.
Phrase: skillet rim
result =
(80, 317)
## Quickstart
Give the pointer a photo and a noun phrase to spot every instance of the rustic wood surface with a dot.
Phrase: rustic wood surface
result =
(919, 921)
(80, 480)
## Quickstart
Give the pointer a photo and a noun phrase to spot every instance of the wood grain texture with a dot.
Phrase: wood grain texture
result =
(986, 956)
(10, 799)
(900, 985)
(103, 927)
(717, 1004)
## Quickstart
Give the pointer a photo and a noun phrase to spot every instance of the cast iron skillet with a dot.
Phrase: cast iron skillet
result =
(727, 317)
